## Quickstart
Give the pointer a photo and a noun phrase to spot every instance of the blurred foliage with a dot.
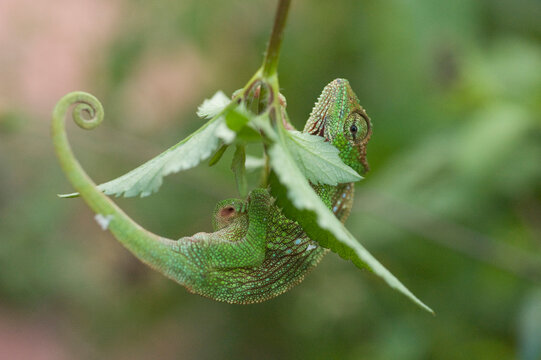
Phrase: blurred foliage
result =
(452, 204)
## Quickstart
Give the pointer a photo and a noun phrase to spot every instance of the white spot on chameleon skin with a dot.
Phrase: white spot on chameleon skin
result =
(103, 220)
(297, 242)
(343, 195)
(311, 247)
(335, 209)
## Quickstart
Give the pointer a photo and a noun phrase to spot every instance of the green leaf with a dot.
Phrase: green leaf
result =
(299, 202)
(213, 106)
(237, 118)
(318, 160)
(248, 135)
(147, 178)
(218, 155)
(238, 168)
(198, 146)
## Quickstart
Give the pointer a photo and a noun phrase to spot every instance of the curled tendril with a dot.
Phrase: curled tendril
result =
(95, 115)
(87, 112)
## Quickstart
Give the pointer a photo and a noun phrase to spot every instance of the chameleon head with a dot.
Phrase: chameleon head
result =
(340, 119)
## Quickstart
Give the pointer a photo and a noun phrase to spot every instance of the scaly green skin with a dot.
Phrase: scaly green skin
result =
(255, 253)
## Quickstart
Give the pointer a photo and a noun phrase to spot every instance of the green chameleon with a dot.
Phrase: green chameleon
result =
(255, 253)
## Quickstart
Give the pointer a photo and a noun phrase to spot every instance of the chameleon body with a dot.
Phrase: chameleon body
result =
(255, 253)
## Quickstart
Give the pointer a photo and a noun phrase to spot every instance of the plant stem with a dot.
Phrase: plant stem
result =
(270, 64)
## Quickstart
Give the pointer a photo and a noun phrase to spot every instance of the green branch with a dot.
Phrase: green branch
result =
(270, 64)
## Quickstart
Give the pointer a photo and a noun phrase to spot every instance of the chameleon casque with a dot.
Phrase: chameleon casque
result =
(255, 252)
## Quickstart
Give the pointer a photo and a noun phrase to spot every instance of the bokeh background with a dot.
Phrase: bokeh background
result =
(452, 205)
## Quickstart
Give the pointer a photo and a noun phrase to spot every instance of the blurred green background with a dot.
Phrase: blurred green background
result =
(452, 205)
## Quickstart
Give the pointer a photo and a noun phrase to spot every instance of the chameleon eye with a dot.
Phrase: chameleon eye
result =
(356, 127)
(365, 128)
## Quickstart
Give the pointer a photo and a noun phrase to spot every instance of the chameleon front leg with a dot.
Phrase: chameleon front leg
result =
(240, 244)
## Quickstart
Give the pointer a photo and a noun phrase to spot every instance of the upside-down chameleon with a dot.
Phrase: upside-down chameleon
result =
(255, 252)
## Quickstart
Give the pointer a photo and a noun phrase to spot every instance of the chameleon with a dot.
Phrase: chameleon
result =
(255, 252)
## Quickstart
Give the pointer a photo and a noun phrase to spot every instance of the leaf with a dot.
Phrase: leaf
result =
(237, 118)
(248, 135)
(238, 168)
(218, 155)
(224, 133)
(318, 160)
(305, 207)
(147, 178)
(213, 106)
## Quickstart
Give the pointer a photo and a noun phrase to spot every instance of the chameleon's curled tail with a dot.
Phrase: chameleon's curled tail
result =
(150, 248)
